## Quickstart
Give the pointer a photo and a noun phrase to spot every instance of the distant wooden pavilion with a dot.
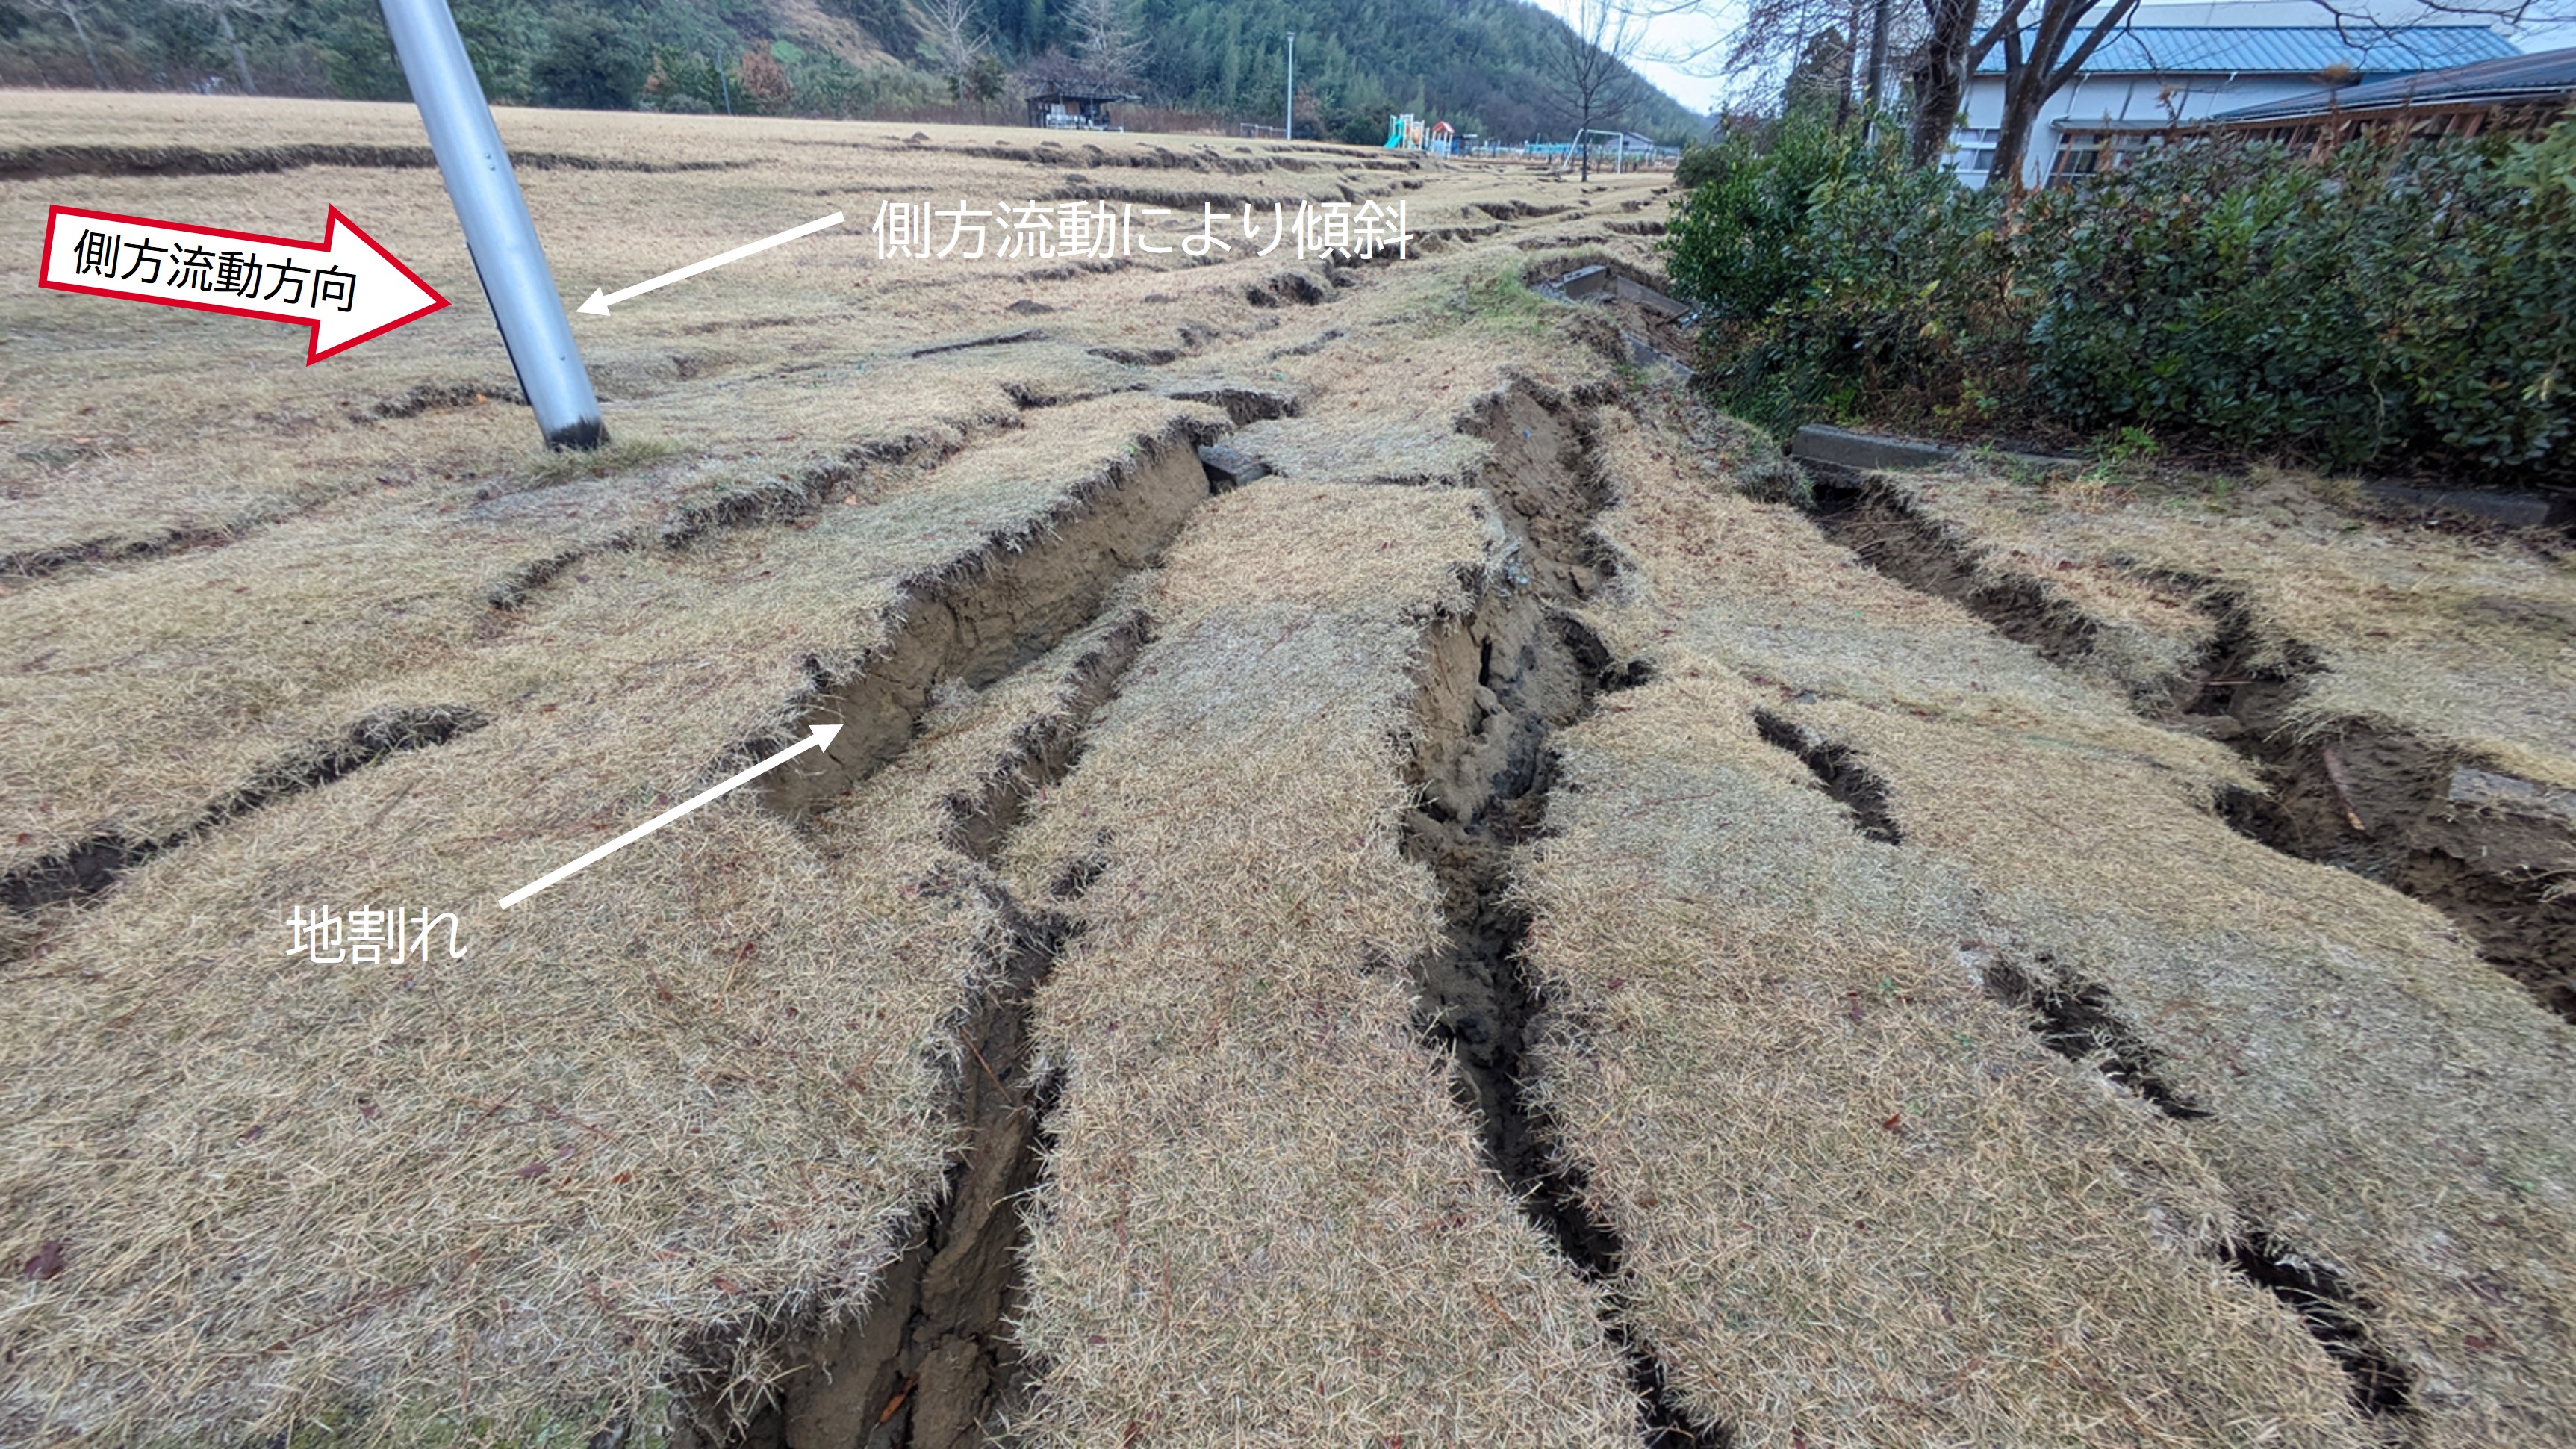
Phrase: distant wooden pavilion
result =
(1063, 105)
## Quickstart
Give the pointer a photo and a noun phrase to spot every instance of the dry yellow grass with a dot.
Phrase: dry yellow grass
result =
(1259, 1177)
(721, 1134)
(1861, 1203)
(2404, 691)
(676, 1114)
(742, 1122)
(2462, 642)
(117, 451)
(2374, 1099)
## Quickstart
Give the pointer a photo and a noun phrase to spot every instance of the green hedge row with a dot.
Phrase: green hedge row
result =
(2388, 302)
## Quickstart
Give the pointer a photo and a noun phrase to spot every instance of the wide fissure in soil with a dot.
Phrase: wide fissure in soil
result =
(931, 1363)
(1493, 690)
(2078, 1020)
(997, 617)
(1839, 770)
(1479, 1001)
(2493, 853)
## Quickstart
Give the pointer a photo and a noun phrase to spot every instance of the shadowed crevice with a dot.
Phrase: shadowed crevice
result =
(2333, 1314)
(1838, 768)
(92, 866)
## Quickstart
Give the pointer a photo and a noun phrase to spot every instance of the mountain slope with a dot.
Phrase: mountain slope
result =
(1485, 66)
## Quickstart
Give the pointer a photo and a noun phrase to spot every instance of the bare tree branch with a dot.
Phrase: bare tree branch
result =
(1592, 78)
(1106, 43)
(72, 10)
(957, 35)
(223, 11)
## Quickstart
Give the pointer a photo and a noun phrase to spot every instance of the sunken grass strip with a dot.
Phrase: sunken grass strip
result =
(2373, 1099)
(1265, 1213)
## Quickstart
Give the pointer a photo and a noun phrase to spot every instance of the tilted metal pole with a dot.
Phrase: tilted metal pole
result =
(498, 232)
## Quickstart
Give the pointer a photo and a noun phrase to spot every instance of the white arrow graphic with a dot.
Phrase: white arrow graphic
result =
(600, 301)
(820, 739)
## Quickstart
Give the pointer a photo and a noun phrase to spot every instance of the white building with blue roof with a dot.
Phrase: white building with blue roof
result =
(2177, 63)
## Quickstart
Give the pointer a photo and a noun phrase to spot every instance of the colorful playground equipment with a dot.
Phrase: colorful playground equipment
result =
(1407, 133)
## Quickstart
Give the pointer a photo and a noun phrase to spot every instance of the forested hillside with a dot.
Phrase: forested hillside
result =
(1488, 67)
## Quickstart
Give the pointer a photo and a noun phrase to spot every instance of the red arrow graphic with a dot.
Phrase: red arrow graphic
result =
(344, 287)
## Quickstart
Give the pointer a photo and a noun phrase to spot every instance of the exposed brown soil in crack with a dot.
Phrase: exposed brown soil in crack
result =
(431, 397)
(50, 559)
(1924, 556)
(770, 501)
(1494, 688)
(1542, 473)
(1242, 404)
(94, 865)
(1026, 595)
(1837, 768)
(1043, 753)
(931, 1363)
(2079, 1020)
(2493, 852)
(1479, 1000)
(2074, 1018)
(2479, 844)
(2334, 1315)
(998, 339)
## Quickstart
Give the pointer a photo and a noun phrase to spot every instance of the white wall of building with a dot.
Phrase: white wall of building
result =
(2130, 98)
(2147, 99)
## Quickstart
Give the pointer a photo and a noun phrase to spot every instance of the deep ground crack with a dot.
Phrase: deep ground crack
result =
(2383, 803)
(2077, 1020)
(979, 621)
(2333, 1314)
(931, 1364)
(1838, 768)
(1494, 689)
(1479, 999)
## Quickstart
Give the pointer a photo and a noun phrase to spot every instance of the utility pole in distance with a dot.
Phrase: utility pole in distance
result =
(498, 232)
(1289, 131)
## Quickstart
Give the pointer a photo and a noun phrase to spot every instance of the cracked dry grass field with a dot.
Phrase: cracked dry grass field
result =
(1484, 935)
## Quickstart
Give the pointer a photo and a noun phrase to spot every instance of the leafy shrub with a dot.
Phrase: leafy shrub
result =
(1736, 240)
(1840, 281)
(2387, 301)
